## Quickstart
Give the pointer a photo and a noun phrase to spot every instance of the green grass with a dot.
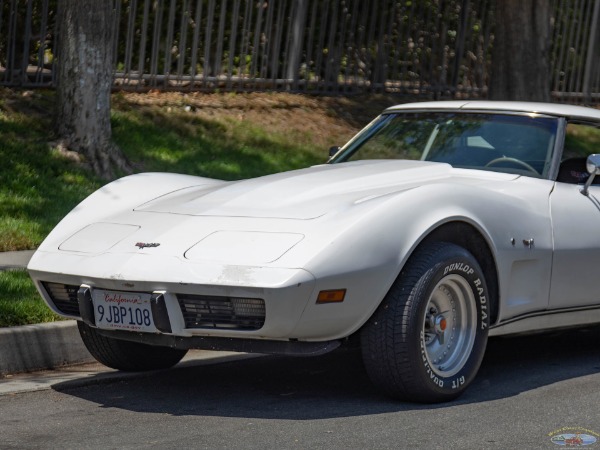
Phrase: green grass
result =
(221, 148)
(20, 302)
(581, 140)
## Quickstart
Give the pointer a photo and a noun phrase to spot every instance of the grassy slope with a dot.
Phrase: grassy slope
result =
(220, 136)
(19, 301)
(171, 139)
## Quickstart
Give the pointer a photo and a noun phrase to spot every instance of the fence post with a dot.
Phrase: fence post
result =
(293, 67)
(460, 45)
(590, 58)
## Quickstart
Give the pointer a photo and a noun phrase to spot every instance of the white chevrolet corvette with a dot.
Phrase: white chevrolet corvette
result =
(437, 225)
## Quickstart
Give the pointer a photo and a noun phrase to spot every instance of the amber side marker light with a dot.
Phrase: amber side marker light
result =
(331, 296)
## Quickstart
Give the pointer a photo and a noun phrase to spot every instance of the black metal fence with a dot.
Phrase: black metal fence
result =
(432, 48)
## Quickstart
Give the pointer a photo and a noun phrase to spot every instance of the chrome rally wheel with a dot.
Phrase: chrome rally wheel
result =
(426, 340)
(449, 325)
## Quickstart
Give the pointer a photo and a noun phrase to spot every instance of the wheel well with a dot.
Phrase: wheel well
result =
(468, 237)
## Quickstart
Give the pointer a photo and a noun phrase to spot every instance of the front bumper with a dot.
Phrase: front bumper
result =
(291, 312)
(190, 309)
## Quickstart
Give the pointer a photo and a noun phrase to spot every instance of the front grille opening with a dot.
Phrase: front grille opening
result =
(232, 313)
(64, 297)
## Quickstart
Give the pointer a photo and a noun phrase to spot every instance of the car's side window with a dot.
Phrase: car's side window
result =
(581, 140)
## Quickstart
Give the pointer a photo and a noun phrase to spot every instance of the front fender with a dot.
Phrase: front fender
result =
(366, 255)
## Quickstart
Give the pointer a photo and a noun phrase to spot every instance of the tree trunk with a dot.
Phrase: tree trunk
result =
(521, 51)
(84, 81)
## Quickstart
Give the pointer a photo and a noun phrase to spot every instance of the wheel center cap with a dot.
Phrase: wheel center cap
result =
(440, 324)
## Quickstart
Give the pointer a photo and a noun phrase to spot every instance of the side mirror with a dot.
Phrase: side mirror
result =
(593, 167)
(333, 150)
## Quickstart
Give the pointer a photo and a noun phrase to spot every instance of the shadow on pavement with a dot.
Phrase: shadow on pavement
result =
(335, 385)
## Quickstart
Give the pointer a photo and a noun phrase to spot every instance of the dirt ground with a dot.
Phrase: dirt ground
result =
(326, 119)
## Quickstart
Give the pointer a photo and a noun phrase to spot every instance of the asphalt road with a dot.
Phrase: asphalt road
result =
(527, 389)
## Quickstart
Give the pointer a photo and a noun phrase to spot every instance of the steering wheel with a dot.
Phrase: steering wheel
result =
(516, 161)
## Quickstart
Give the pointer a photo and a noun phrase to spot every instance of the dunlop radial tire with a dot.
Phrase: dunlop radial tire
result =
(426, 340)
(125, 355)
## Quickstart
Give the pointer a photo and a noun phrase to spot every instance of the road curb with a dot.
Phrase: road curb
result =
(43, 346)
(15, 260)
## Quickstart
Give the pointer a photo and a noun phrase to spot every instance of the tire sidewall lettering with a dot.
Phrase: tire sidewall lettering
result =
(438, 381)
(478, 286)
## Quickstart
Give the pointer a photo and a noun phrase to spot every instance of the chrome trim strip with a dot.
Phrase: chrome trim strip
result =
(548, 320)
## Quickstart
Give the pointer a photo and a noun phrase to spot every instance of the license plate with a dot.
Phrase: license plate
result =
(115, 310)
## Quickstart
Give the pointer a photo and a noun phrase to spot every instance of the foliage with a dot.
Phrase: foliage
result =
(581, 141)
(419, 41)
(439, 48)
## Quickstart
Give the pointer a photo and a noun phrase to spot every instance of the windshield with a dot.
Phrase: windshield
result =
(518, 144)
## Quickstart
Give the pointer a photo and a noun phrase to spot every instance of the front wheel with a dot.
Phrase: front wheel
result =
(427, 339)
(125, 355)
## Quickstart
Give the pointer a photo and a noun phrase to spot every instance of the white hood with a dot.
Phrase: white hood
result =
(303, 194)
